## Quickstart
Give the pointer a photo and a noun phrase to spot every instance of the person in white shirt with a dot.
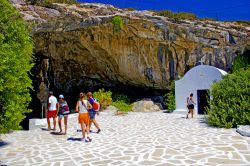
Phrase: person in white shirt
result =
(52, 110)
(82, 108)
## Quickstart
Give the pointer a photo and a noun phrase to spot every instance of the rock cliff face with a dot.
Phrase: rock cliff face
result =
(75, 46)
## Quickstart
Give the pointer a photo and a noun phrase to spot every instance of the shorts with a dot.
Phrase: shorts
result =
(62, 115)
(191, 106)
(92, 114)
(52, 114)
(83, 118)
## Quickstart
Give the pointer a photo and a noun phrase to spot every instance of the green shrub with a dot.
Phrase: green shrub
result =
(241, 61)
(243, 22)
(170, 97)
(16, 62)
(49, 3)
(130, 9)
(186, 15)
(177, 16)
(120, 97)
(103, 97)
(122, 102)
(230, 103)
(207, 19)
(122, 106)
(117, 22)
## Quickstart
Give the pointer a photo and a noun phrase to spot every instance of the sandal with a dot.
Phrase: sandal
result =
(88, 139)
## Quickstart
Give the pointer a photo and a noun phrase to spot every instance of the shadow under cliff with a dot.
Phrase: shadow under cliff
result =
(42, 74)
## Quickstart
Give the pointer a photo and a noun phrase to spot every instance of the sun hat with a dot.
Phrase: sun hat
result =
(61, 97)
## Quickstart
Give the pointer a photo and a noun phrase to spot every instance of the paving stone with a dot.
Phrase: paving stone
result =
(158, 153)
(125, 158)
(175, 161)
(241, 146)
(148, 162)
(189, 161)
(225, 149)
(247, 157)
(116, 163)
(154, 139)
(165, 164)
(200, 156)
(236, 156)
(105, 162)
(224, 161)
(57, 164)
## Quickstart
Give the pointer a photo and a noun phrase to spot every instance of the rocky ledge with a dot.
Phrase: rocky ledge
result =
(76, 45)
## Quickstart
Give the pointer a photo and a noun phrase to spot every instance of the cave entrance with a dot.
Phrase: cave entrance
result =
(203, 100)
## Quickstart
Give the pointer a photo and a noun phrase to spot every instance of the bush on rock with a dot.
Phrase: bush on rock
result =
(122, 102)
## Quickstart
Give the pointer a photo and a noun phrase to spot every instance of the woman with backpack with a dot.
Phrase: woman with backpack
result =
(190, 105)
(63, 113)
(92, 112)
(82, 107)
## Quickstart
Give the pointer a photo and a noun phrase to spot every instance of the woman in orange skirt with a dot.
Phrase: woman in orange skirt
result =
(82, 107)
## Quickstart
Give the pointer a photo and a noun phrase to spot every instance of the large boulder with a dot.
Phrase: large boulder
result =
(145, 106)
(243, 130)
(111, 109)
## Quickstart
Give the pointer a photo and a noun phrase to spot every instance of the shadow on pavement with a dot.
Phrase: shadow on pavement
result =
(79, 130)
(56, 133)
(2, 164)
(44, 129)
(3, 143)
(74, 139)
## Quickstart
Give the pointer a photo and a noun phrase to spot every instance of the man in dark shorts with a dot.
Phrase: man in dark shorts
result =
(190, 105)
(92, 112)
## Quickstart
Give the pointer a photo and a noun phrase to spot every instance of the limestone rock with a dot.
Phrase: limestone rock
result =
(145, 106)
(81, 47)
(111, 109)
(43, 93)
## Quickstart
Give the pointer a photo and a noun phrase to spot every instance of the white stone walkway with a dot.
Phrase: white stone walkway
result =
(134, 139)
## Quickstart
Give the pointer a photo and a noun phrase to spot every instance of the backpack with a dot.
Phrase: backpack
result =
(64, 108)
(96, 105)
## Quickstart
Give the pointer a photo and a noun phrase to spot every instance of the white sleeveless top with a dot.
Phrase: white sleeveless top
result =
(190, 101)
(83, 109)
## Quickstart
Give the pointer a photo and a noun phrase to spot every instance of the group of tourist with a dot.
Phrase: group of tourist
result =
(85, 106)
(86, 110)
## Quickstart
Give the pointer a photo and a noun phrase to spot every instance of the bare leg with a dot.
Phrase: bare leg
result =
(87, 131)
(87, 128)
(48, 121)
(192, 113)
(188, 113)
(90, 123)
(96, 124)
(65, 123)
(83, 130)
(60, 124)
(54, 120)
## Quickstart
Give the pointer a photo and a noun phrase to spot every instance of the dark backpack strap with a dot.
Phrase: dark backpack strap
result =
(84, 104)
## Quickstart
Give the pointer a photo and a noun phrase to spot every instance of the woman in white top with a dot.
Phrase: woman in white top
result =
(190, 105)
(82, 106)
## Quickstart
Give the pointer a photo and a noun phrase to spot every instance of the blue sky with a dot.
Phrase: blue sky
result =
(221, 9)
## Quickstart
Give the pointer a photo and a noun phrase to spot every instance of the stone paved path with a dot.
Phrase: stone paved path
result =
(134, 139)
